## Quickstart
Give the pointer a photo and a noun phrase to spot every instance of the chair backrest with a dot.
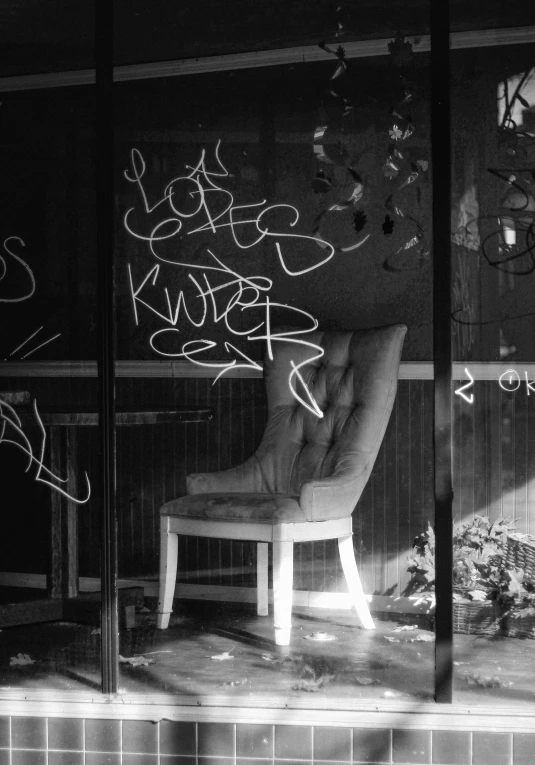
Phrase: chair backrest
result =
(353, 385)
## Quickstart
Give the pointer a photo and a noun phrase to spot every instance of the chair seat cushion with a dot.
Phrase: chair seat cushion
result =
(248, 508)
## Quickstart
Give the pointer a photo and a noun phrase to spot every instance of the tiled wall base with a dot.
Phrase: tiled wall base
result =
(60, 741)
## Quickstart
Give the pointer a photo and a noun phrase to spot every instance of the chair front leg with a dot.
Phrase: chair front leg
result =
(283, 564)
(168, 566)
(349, 565)
(262, 578)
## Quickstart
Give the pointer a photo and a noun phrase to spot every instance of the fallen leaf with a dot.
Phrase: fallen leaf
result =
(424, 638)
(320, 636)
(488, 681)
(232, 683)
(21, 659)
(136, 661)
(222, 656)
(311, 681)
(366, 681)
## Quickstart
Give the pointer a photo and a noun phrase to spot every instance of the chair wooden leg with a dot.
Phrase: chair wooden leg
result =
(168, 566)
(349, 565)
(262, 579)
(283, 563)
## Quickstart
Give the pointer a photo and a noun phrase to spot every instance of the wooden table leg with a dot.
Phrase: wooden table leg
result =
(62, 580)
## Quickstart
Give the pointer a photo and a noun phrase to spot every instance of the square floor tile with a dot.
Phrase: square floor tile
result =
(102, 736)
(102, 758)
(523, 748)
(371, 745)
(139, 759)
(293, 742)
(451, 747)
(332, 744)
(28, 732)
(64, 733)
(254, 740)
(65, 758)
(4, 731)
(28, 757)
(178, 737)
(492, 748)
(411, 746)
(216, 739)
(140, 736)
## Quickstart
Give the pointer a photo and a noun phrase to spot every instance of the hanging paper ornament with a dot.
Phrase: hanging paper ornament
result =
(388, 225)
(390, 169)
(410, 179)
(401, 53)
(337, 226)
(321, 184)
(319, 151)
(359, 220)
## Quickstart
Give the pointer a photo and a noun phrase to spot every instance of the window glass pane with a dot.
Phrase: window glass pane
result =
(247, 201)
(49, 544)
(493, 281)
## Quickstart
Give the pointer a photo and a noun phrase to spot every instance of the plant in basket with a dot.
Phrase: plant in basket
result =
(478, 554)
(478, 558)
(517, 600)
(479, 577)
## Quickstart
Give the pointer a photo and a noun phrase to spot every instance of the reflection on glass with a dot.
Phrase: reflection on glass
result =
(49, 617)
(493, 300)
(250, 201)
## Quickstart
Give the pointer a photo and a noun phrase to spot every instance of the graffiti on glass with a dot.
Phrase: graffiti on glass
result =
(11, 432)
(196, 203)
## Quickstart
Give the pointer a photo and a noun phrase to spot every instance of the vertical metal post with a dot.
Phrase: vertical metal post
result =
(106, 336)
(441, 164)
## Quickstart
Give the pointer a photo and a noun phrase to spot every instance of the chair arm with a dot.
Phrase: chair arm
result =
(243, 478)
(333, 497)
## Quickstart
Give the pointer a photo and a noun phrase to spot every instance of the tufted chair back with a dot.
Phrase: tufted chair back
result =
(323, 461)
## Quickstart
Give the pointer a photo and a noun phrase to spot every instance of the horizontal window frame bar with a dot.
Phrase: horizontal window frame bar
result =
(304, 54)
(404, 715)
(409, 370)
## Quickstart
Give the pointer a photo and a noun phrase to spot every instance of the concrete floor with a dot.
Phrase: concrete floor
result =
(215, 650)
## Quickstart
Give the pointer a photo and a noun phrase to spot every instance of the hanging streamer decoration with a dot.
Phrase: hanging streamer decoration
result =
(401, 167)
(342, 215)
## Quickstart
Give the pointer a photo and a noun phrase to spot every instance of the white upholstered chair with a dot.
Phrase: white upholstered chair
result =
(306, 477)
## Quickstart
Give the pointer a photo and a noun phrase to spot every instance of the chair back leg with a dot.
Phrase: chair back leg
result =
(283, 564)
(349, 566)
(262, 578)
(168, 566)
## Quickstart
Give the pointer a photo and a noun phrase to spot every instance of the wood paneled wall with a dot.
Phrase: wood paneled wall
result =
(494, 473)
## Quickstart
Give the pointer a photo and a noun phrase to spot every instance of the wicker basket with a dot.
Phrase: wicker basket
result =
(521, 554)
(471, 617)
(519, 626)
